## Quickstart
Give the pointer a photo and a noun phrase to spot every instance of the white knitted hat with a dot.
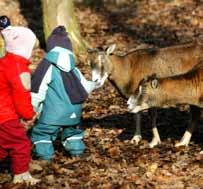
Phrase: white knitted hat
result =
(19, 40)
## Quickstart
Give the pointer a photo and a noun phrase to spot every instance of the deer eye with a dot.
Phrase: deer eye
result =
(154, 83)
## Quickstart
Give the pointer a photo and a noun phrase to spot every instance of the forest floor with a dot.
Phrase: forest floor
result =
(110, 160)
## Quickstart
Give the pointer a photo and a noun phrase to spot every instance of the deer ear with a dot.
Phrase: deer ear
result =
(111, 49)
(154, 83)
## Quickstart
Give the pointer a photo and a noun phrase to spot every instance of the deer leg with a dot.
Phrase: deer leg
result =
(156, 138)
(191, 127)
(137, 136)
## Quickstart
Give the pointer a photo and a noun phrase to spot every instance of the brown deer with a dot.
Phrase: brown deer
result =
(171, 91)
(126, 72)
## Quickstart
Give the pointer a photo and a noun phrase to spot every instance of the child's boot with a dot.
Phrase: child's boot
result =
(75, 147)
(25, 177)
(73, 144)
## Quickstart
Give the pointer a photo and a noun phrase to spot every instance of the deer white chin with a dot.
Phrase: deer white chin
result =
(96, 77)
(132, 101)
(138, 108)
(103, 79)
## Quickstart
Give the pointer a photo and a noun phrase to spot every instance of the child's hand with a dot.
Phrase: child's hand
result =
(28, 124)
(97, 85)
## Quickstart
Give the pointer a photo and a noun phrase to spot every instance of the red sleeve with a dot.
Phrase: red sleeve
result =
(20, 94)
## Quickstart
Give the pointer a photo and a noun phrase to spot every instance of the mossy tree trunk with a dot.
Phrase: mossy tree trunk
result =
(61, 12)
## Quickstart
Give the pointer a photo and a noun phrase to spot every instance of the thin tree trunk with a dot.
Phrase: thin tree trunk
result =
(61, 12)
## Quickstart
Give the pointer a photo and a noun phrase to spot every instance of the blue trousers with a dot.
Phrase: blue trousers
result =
(44, 135)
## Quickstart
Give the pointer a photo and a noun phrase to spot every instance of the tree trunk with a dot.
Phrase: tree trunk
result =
(61, 12)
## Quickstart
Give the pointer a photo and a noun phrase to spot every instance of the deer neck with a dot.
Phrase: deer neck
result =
(119, 73)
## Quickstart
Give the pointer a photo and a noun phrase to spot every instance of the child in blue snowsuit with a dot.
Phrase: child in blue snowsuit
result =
(58, 91)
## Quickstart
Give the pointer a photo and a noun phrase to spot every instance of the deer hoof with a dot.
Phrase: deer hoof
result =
(136, 139)
(154, 143)
(181, 143)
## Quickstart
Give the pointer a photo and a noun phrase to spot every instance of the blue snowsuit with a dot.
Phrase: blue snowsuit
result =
(58, 112)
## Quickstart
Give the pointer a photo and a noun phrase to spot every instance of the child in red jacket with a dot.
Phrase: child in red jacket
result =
(15, 99)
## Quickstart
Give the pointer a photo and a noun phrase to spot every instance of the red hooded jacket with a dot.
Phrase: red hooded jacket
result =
(15, 99)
